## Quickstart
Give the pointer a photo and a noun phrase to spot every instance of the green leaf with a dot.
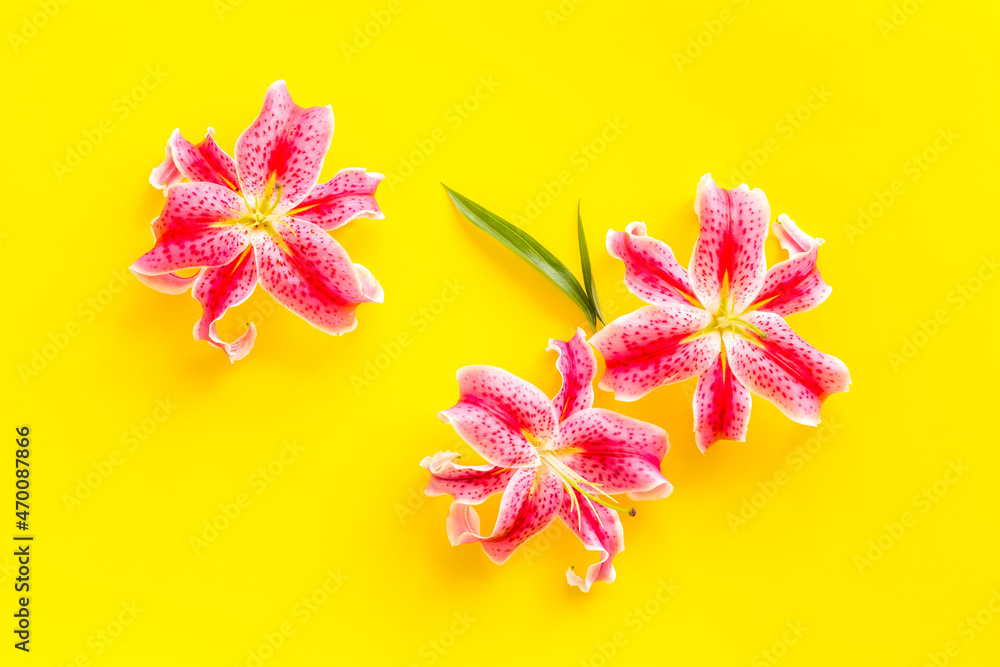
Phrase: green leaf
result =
(588, 274)
(527, 248)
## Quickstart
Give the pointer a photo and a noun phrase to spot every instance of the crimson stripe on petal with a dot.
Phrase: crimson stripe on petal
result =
(785, 369)
(731, 244)
(466, 484)
(310, 274)
(204, 161)
(578, 368)
(651, 270)
(348, 195)
(616, 453)
(649, 347)
(793, 285)
(529, 504)
(195, 229)
(499, 415)
(721, 406)
(286, 141)
(219, 289)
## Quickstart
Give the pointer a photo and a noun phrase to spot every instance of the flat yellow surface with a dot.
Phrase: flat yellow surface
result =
(271, 512)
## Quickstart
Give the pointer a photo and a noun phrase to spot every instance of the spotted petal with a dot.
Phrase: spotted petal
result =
(653, 346)
(218, 289)
(616, 453)
(201, 162)
(785, 369)
(500, 416)
(730, 246)
(195, 229)
(286, 142)
(600, 530)
(348, 195)
(721, 406)
(651, 271)
(309, 273)
(578, 368)
(168, 283)
(166, 173)
(794, 285)
(466, 484)
(529, 504)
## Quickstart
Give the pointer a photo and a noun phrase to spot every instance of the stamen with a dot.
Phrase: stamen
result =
(761, 334)
(282, 221)
(269, 188)
(575, 480)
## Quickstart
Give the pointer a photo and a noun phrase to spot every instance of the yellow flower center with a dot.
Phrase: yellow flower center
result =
(727, 320)
(261, 215)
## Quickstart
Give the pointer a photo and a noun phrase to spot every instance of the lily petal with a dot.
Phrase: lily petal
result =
(204, 161)
(348, 195)
(466, 484)
(617, 454)
(651, 270)
(166, 173)
(195, 229)
(650, 347)
(530, 503)
(168, 283)
(785, 369)
(793, 285)
(499, 415)
(730, 246)
(309, 273)
(578, 368)
(721, 406)
(600, 530)
(219, 289)
(286, 142)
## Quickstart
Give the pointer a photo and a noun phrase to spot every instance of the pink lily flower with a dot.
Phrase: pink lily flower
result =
(261, 218)
(721, 320)
(559, 457)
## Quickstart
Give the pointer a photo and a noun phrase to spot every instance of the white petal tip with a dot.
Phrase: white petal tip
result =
(636, 228)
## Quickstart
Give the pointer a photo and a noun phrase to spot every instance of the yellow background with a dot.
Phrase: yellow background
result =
(350, 501)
